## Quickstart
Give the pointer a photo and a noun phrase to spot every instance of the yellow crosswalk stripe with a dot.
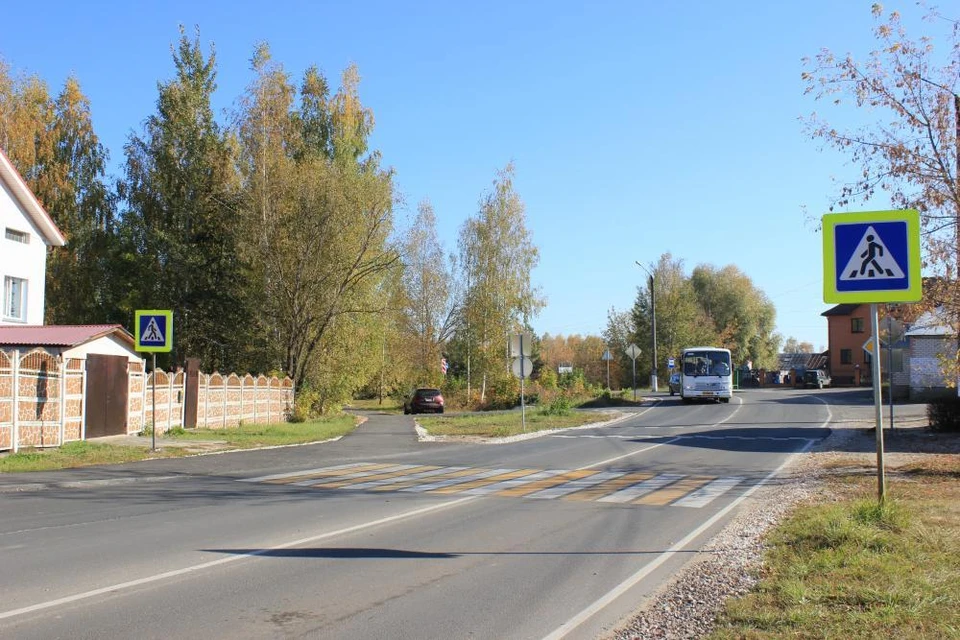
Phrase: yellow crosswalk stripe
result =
(396, 486)
(674, 491)
(538, 485)
(609, 487)
(457, 488)
(336, 484)
(326, 473)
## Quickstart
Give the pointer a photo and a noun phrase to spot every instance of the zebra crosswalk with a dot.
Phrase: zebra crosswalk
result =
(616, 487)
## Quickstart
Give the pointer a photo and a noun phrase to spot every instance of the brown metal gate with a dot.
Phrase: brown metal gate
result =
(106, 395)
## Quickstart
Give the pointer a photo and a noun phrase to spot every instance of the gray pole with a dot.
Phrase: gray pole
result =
(875, 368)
(634, 361)
(523, 409)
(153, 432)
(890, 369)
(608, 374)
(653, 316)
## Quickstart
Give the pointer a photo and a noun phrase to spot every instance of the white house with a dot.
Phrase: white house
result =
(27, 232)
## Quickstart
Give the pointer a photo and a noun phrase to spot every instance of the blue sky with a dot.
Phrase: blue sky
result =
(636, 128)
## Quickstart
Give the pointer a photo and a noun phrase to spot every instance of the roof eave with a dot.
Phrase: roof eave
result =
(29, 202)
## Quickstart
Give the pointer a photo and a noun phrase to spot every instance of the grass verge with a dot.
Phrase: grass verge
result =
(505, 423)
(265, 435)
(851, 568)
(86, 453)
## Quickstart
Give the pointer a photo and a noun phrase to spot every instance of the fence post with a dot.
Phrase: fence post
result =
(15, 431)
(223, 410)
(63, 398)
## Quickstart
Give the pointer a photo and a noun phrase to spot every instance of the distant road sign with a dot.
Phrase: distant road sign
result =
(632, 351)
(607, 355)
(872, 257)
(154, 331)
(670, 363)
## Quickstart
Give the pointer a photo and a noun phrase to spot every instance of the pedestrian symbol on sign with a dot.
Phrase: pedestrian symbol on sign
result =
(152, 333)
(871, 259)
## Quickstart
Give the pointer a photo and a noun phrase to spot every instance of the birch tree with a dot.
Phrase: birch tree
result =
(497, 256)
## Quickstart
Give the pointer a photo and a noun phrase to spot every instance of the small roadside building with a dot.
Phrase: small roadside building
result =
(60, 383)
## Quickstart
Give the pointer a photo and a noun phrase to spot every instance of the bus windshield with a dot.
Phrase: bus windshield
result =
(706, 363)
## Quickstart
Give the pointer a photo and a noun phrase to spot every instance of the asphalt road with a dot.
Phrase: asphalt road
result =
(380, 536)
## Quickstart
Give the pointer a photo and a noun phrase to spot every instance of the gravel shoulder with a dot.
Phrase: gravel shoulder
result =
(687, 606)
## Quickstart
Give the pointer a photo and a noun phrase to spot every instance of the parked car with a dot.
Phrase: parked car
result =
(424, 401)
(674, 383)
(816, 378)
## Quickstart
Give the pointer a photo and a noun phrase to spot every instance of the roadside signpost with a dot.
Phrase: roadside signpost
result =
(872, 257)
(154, 333)
(607, 357)
(521, 348)
(633, 351)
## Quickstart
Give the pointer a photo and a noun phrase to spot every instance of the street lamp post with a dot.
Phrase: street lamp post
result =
(653, 330)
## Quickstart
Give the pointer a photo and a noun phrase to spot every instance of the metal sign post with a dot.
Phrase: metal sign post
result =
(633, 351)
(520, 349)
(868, 258)
(154, 332)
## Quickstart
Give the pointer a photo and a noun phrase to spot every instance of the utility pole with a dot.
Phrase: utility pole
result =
(653, 329)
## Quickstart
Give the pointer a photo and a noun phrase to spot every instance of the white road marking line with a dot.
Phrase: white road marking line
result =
(575, 621)
(642, 488)
(708, 493)
(114, 588)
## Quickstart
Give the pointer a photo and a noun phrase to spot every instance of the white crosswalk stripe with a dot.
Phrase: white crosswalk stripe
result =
(602, 486)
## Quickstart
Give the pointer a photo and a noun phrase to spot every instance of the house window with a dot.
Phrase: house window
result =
(846, 356)
(866, 358)
(17, 236)
(15, 299)
(856, 325)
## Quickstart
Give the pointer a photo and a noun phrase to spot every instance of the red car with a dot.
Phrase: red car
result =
(424, 401)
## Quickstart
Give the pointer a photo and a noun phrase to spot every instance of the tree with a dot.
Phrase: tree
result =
(318, 216)
(53, 145)
(742, 315)
(912, 150)
(430, 310)
(497, 256)
(181, 189)
(681, 320)
(792, 345)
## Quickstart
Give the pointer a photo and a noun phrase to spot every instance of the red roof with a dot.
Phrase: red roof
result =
(53, 335)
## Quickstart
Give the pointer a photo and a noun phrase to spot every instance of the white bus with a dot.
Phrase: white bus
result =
(706, 372)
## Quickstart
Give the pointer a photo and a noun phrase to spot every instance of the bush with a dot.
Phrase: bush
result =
(944, 414)
(559, 407)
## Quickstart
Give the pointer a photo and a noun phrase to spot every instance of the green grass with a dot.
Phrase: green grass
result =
(86, 453)
(389, 405)
(262, 435)
(507, 423)
(851, 568)
(72, 454)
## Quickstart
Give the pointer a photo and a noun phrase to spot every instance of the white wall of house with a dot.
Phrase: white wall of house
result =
(107, 345)
(21, 263)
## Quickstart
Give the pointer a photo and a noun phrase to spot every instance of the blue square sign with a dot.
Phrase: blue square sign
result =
(154, 330)
(871, 257)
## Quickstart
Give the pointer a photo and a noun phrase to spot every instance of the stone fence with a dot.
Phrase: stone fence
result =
(43, 399)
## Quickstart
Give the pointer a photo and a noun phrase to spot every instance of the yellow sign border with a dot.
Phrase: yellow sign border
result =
(168, 339)
(914, 290)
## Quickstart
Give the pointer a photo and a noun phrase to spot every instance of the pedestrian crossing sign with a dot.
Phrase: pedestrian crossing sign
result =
(154, 331)
(871, 256)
